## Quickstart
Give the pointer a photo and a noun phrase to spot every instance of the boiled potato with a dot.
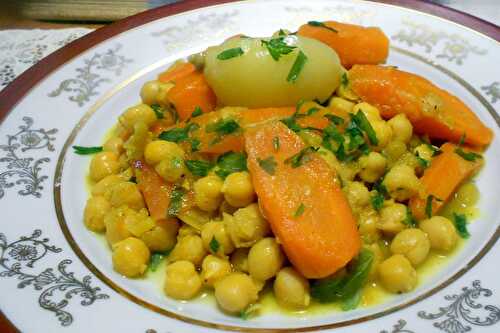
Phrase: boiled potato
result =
(255, 79)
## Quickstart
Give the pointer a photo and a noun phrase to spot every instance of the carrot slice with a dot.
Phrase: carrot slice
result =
(190, 92)
(155, 190)
(353, 43)
(441, 179)
(431, 110)
(306, 208)
(176, 72)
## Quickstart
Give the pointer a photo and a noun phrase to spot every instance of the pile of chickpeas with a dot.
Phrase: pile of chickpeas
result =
(225, 211)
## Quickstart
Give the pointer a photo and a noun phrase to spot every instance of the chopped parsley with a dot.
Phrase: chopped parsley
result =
(268, 165)
(276, 143)
(344, 80)
(300, 210)
(198, 167)
(428, 205)
(197, 112)
(312, 111)
(377, 200)
(222, 127)
(334, 119)
(303, 156)
(195, 144)
(410, 219)
(178, 134)
(175, 201)
(460, 222)
(422, 161)
(297, 67)
(380, 187)
(321, 25)
(277, 47)
(214, 245)
(362, 122)
(250, 311)
(158, 110)
(230, 162)
(80, 150)
(156, 259)
(435, 150)
(344, 287)
(468, 156)
(230, 53)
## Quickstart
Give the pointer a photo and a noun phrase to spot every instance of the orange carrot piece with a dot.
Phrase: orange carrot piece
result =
(353, 43)
(306, 208)
(442, 178)
(190, 92)
(154, 189)
(431, 110)
(176, 72)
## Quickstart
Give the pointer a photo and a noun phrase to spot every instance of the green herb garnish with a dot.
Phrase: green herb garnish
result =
(343, 288)
(297, 67)
(460, 222)
(277, 47)
(223, 127)
(197, 112)
(321, 25)
(352, 302)
(377, 201)
(198, 167)
(156, 259)
(334, 119)
(428, 205)
(362, 122)
(230, 53)
(158, 110)
(268, 165)
(301, 157)
(178, 134)
(80, 150)
(230, 162)
(423, 162)
(410, 219)
(300, 210)
(312, 111)
(344, 80)
(468, 156)
(214, 245)
(175, 201)
(195, 144)
(435, 150)
(276, 143)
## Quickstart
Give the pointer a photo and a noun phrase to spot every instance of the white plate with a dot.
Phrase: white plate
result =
(55, 275)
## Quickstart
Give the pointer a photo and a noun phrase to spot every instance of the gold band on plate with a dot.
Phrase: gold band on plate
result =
(135, 299)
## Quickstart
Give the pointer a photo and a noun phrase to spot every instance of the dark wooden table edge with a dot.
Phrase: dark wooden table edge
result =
(16, 90)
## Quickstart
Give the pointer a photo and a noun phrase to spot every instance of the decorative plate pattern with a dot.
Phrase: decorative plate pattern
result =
(79, 101)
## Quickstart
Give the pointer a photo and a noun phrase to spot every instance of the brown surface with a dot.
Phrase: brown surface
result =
(13, 93)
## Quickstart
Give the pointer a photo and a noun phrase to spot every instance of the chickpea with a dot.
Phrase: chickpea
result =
(130, 257)
(95, 210)
(392, 217)
(139, 222)
(163, 235)
(207, 193)
(103, 164)
(409, 159)
(239, 259)
(161, 97)
(368, 222)
(235, 292)
(213, 269)
(149, 91)
(246, 226)
(414, 244)
(225, 207)
(181, 280)
(401, 182)
(370, 111)
(116, 229)
(126, 194)
(159, 150)
(372, 166)
(171, 169)
(383, 132)
(238, 189)
(186, 230)
(423, 151)
(397, 274)
(136, 114)
(189, 248)
(291, 289)
(357, 194)
(441, 232)
(393, 151)
(114, 144)
(265, 259)
(338, 103)
(103, 186)
(378, 257)
(217, 231)
(402, 129)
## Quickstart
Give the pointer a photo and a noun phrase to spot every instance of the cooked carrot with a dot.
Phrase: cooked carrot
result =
(176, 72)
(353, 43)
(155, 190)
(441, 179)
(306, 208)
(431, 110)
(191, 92)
